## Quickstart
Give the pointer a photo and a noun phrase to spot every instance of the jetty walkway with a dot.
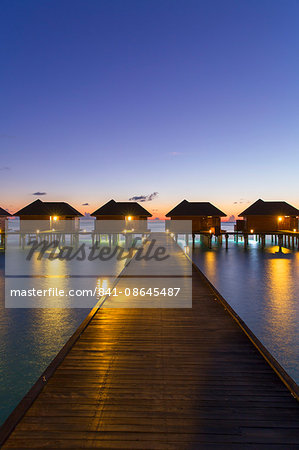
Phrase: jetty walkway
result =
(160, 378)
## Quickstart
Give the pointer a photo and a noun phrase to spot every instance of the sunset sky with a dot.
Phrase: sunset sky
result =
(119, 98)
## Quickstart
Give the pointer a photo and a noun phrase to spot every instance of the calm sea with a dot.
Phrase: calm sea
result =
(262, 286)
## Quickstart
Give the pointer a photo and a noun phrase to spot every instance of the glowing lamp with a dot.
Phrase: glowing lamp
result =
(210, 231)
(55, 218)
(129, 217)
(279, 219)
(294, 230)
(251, 231)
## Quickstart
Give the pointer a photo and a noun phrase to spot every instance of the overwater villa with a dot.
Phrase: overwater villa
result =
(3, 216)
(130, 216)
(205, 217)
(51, 213)
(263, 216)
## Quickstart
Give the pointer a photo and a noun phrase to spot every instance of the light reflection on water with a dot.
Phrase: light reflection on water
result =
(31, 337)
(29, 340)
(263, 288)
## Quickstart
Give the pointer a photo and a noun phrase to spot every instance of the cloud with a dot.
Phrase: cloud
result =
(4, 168)
(242, 200)
(85, 204)
(152, 196)
(39, 193)
(175, 153)
(144, 198)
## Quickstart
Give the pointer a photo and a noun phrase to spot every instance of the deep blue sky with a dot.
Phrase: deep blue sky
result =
(192, 99)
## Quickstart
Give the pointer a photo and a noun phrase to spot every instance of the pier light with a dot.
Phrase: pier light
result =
(167, 231)
(294, 230)
(251, 231)
(279, 219)
(37, 231)
(172, 234)
(210, 231)
(129, 218)
(55, 218)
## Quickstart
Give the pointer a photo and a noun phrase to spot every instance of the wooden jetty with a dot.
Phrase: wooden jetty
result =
(160, 379)
(284, 238)
(3, 218)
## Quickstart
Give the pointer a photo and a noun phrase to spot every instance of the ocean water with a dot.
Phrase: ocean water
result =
(29, 340)
(262, 287)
